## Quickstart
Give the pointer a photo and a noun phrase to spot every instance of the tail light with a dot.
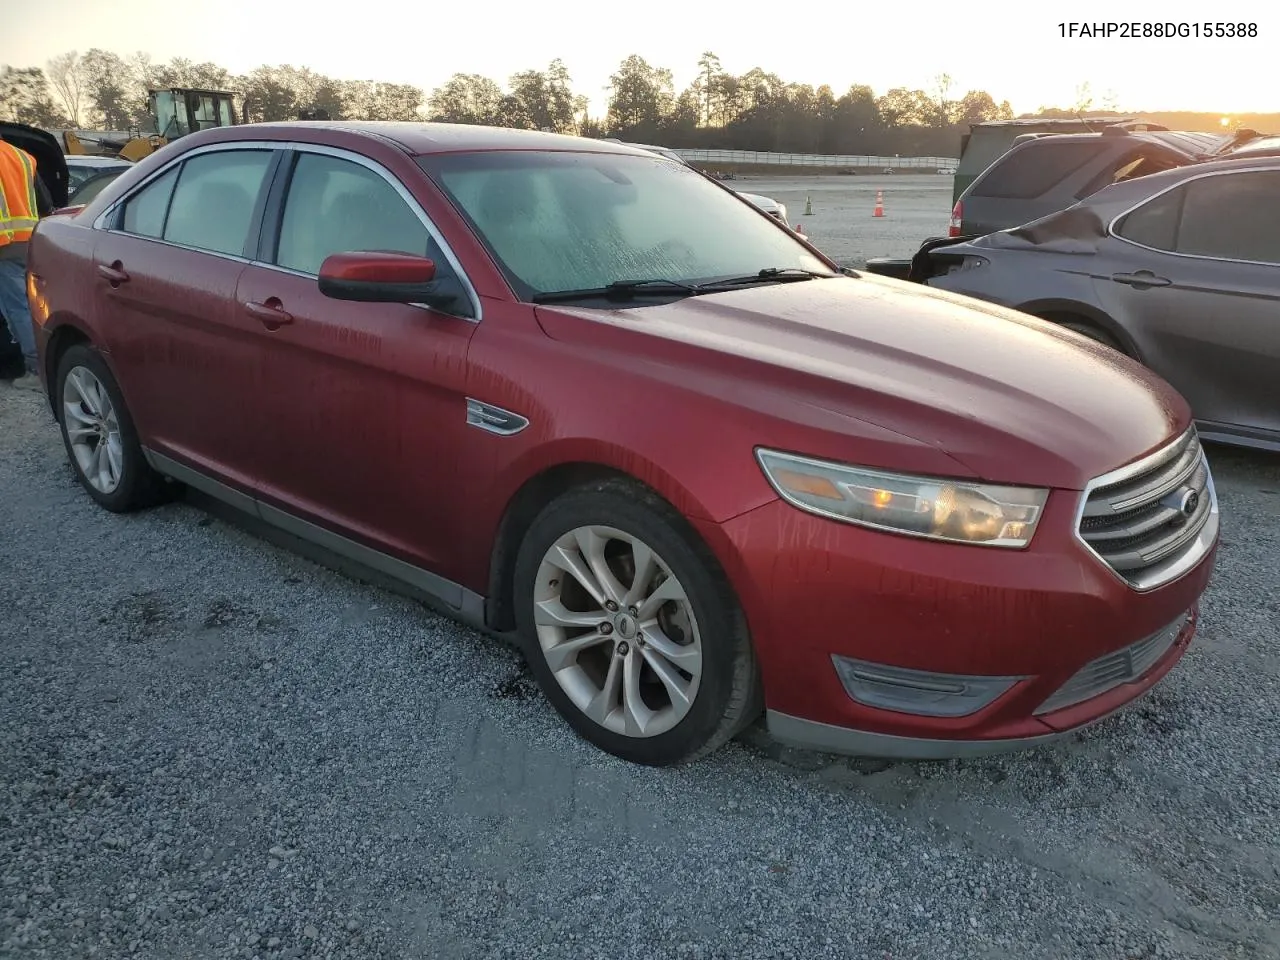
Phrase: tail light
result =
(957, 218)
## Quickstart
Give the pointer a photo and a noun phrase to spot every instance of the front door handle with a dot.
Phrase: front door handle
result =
(1141, 280)
(113, 274)
(270, 313)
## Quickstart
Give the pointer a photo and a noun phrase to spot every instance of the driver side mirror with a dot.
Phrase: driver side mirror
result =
(378, 277)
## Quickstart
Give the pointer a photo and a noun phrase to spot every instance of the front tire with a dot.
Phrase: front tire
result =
(630, 628)
(99, 435)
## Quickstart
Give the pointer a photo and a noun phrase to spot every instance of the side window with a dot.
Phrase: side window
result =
(1032, 170)
(214, 201)
(1155, 223)
(1129, 167)
(145, 211)
(339, 206)
(1233, 216)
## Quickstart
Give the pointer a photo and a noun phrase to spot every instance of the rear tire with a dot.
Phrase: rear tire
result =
(630, 628)
(99, 435)
(1093, 332)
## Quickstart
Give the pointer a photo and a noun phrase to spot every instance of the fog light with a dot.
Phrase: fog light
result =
(917, 691)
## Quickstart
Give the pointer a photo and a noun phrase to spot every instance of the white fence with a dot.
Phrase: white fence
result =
(842, 161)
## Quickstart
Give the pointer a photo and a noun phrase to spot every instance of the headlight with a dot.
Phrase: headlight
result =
(955, 511)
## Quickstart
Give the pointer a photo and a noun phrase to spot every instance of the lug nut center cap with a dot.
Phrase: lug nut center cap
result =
(626, 625)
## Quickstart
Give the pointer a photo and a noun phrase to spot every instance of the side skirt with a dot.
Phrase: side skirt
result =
(327, 548)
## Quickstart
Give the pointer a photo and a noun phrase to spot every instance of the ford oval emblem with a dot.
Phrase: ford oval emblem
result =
(1190, 500)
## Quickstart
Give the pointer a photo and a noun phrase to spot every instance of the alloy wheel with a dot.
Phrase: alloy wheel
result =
(93, 429)
(618, 631)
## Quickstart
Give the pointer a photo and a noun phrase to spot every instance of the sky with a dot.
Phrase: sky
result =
(1013, 50)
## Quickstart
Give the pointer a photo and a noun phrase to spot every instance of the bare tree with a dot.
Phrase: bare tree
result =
(66, 77)
(942, 87)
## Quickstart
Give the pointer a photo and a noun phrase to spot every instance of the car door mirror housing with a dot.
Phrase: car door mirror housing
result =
(379, 277)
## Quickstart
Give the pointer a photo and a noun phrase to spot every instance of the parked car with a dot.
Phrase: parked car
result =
(770, 206)
(52, 169)
(89, 187)
(80, 167)
(1179, 270)
(1044, 174)
(699, 473)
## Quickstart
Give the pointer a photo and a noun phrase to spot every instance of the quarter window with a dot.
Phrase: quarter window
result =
(214, 201)
(145, 211)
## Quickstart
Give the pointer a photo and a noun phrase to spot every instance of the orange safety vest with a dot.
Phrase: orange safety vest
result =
(17, 194)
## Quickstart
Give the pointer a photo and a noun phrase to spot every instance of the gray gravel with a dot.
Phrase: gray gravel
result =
(210, 747)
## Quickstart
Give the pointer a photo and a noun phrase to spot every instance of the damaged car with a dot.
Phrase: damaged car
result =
(1179, 270)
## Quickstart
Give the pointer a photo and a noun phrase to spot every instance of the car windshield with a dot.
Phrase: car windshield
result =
(562, 221)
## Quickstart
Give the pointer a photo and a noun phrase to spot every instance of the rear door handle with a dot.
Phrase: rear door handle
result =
(272, 314)
(1143, 278)
(113, 274)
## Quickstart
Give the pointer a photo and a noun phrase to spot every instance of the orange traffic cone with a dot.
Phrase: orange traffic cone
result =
(879, 211)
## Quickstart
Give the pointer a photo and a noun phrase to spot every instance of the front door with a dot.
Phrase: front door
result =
(166, 274)
(1197, 271)
(367, 402)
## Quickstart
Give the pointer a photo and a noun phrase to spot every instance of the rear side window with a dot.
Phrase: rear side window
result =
(215, 198)
(1233, 217)
(1155, 223)
(1130, 167)
(145, 211)
(1034, 169)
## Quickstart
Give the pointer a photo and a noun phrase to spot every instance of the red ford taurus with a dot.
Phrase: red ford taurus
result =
(576, 392)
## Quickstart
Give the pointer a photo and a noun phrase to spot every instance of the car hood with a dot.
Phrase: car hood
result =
(51, 164)
(1012, 398)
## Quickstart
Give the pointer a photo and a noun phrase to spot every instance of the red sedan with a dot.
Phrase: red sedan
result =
(580, 393)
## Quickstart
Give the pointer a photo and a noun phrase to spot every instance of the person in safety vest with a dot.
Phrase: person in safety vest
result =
(22, 201)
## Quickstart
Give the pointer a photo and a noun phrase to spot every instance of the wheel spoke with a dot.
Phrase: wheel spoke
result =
(572, 564)
(84, 391)
(73, 411)
(677, 686)
(686, 657)
(553, 613)
(644, 564)
(114, 459)
(592, 546)
(101, 476)
(605, 702)
(636, 714)
(669, 589)
(565, 653)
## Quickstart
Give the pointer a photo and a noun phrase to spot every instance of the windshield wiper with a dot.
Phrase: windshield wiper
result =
(779, 274)
(619, 290)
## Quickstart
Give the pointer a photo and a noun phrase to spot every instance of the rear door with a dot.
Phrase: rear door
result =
(367, 406)
(166, 274)
(1195, 272)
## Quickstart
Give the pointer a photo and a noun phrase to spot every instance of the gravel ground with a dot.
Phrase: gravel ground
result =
(916, 206)
(210, 747)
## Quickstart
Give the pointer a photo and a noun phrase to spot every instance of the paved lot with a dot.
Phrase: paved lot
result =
(210, 747)
(916, 206)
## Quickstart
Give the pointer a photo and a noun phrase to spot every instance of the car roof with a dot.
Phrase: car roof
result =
(421, 138)
(1187, 143)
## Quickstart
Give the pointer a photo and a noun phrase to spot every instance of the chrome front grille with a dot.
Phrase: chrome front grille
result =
(1151, 521)
(1108, 672)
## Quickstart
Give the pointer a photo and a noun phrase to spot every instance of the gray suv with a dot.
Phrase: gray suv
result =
(1180, 270)
(1051, 172)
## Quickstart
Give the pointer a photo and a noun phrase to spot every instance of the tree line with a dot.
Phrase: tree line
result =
(757, 110)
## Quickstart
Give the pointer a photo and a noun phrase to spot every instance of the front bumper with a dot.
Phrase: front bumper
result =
(815, 589)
